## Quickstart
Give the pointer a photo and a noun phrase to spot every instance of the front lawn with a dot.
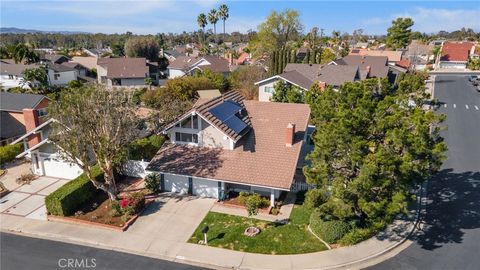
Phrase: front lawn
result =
(226, 231)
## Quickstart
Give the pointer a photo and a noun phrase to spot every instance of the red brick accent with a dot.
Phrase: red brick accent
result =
(31, 122)
(290, 135)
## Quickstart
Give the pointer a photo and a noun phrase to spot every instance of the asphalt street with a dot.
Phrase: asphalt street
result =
(451, 237)
(19, 252)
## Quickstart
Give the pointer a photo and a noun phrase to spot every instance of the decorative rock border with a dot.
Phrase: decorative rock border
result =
(251, 231)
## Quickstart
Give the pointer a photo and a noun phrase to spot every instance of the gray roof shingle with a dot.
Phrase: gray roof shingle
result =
(13, 102)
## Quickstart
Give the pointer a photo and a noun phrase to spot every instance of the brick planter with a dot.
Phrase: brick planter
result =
(231, 205)
(96, 224)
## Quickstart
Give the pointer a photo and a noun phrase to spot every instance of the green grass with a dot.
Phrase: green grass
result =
(226, 231)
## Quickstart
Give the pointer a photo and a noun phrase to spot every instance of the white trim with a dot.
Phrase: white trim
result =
(225, 181)
(33, 131)
(280, 77)
(32, 149)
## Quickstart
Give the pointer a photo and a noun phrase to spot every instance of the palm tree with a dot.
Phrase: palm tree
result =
(202, 22)
(213, 19)
(223, 14)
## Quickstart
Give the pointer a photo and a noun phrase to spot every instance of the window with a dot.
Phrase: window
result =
(42, 112)
(56, 76)
(189, 122)
(269, 89)
(186, 137)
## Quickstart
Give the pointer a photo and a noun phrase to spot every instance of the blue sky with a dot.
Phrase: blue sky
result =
(153, 16)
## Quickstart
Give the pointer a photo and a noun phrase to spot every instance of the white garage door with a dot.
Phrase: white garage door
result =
(175, 183)
(54, 167)
(205, 188)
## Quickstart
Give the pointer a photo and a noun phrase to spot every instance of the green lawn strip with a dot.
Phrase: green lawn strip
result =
(226, 231)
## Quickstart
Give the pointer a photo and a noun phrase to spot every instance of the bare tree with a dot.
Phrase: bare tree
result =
(93, 126)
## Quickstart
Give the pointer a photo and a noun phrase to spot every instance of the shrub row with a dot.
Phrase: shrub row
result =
(9, 152)
(330, 231)
(65, 200)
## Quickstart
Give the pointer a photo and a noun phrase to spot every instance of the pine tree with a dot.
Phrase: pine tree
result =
(280, 66)
(273, 63)
(293, 56)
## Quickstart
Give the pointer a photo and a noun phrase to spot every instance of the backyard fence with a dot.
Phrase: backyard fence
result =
(135, 168)
(301, 186)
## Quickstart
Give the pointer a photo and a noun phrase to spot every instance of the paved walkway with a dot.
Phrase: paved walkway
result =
(162, 232)
(29, 200)
(14, 170)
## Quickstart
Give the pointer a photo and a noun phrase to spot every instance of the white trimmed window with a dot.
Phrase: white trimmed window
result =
(269, 89)
(186, 137)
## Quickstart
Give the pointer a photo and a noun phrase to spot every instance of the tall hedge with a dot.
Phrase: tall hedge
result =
(66, 200)
(329, 230)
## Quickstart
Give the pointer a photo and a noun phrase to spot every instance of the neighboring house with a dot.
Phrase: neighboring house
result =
(87, 61)
(393, 56)
(369, 66)
(172, 55)
(16, 114)
(61, 74)
(305, 75)
(233, 144)
(54, 58)
(455, 55)
(97, 52)
(122, 71)
(11, 74)
(45, 156)
(418, 54)
(84, 74)
(188, 65)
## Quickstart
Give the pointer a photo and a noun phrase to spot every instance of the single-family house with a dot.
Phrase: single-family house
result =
(11, 74)
(393, 56)
(188, 65)
(455, 55)
(232, 144)
(61, 74)
(54, 58)
(130, 72)
(305, 75)
(16, 114)
(418, 54)
(369, 66)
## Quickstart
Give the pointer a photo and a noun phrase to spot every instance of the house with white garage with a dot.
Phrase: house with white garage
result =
(231, 144)
(12, 74)
(45, 156)
(455, 55)
(129, 72)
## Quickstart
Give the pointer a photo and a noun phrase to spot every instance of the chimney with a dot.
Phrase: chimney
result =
(30, 117)
(290, 135)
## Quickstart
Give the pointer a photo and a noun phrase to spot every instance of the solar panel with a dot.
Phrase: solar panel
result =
(235, 124)
(226, 111)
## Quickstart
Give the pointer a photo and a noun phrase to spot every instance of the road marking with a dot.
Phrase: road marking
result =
(454, 105)
(476, 108)
(466, 106)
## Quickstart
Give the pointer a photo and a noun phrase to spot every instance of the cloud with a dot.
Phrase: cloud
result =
(431, 20)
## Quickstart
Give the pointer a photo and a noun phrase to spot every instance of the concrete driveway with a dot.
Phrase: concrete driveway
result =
(170, 220)
(29, 200)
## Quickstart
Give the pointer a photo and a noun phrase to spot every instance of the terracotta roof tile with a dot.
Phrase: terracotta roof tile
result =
(456, 51)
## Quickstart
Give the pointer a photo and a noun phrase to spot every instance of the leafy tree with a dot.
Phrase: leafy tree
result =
(217, 80)
(327, 56)
(167, 102)
(202, 22)
(276, 32)
(142, 47)
(473, 64)
(118, 49)
(371, 146)
(36, 79)
(94, 121)
(398, 35)
(223, 15)
(287, 93)
(243, 80)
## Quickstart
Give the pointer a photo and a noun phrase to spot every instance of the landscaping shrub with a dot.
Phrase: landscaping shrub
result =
(152, 182)
(116, 210)
(315, 197)
(255, 201)
(9, 152)
(331, 230)
(133, 203)
(25, 178)
(65, 200)
(356, 235)
(242, 197)
(145, 148)
(262, 201)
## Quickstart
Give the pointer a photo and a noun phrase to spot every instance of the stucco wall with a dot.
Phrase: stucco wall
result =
(174, 73)
(212, 137)
(63, 78)
(262, 95)
(133, 82)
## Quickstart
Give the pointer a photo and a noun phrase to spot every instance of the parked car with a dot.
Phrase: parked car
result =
(472, 78)
(476, 82)
(478, 88)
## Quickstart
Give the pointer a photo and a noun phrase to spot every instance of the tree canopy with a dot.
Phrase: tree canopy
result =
(287, 93)
(398, 35)
(95, 125)
(142, 47)
(371, 146)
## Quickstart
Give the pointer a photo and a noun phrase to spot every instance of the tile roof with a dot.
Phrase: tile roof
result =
(89, 62)
(13, 102)
(378, 64)
(259, 158)
(54, 58)
(456, 51)
(209, 94)
(338, 75)
(393, 56)
(60, 67)
(124, 67)
(8, 66)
